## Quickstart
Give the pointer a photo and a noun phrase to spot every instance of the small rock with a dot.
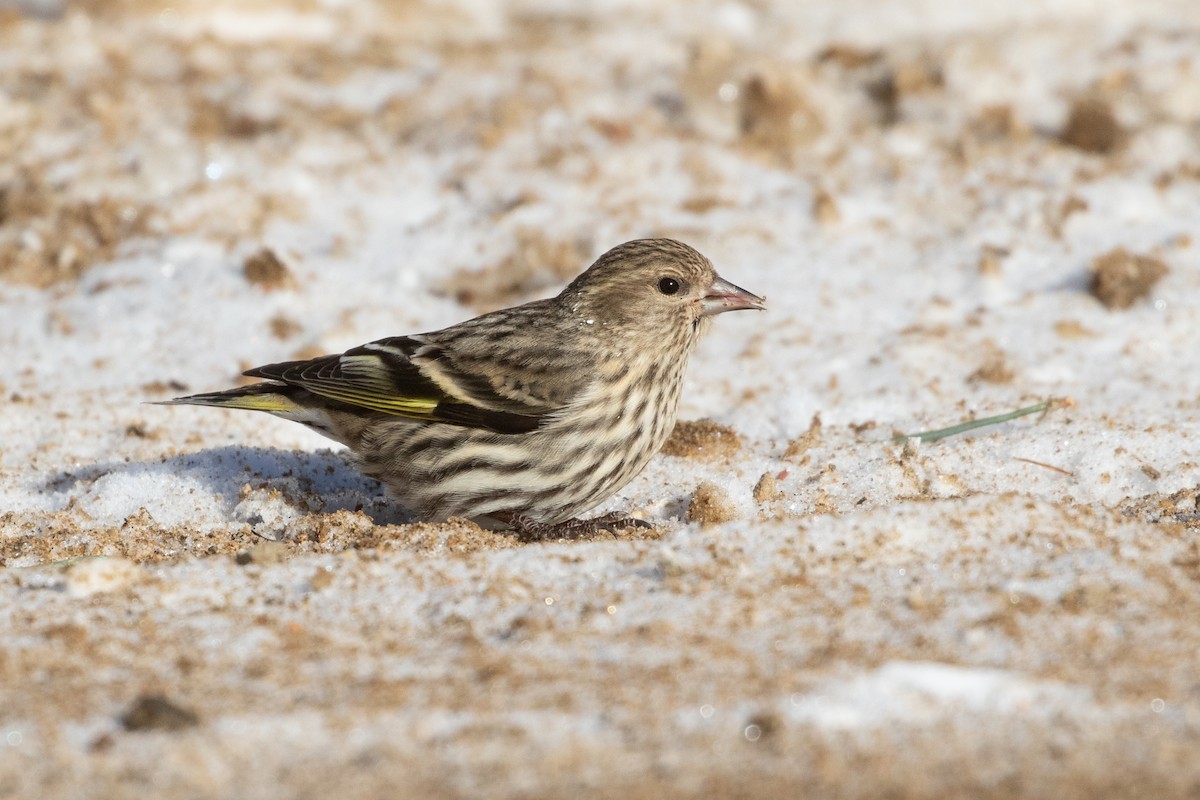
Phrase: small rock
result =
(284, 327)
(267, 270)
(1092, 126)
(765, 722)
(1120, 278)
(156, 713)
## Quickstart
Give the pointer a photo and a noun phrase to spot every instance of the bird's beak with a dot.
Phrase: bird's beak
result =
(723, 296)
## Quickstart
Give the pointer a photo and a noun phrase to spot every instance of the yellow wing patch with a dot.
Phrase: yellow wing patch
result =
(402, 406)
(367, 384)
(271, 403)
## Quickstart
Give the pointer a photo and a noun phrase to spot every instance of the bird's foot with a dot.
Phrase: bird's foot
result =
(529, 530)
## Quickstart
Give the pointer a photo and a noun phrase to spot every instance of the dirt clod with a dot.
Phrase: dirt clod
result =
(710, 505)
(991, 259)
(766, 489)
(776, 113)
(1092, 126)
(703, 439)
(849, 56)
(994, 368)
(284, 327)
(266, 270)
(1121, 278)
(825, 209)
(801, 444)
(155, 712)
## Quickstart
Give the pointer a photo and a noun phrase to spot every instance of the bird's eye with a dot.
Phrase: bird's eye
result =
(668, 286)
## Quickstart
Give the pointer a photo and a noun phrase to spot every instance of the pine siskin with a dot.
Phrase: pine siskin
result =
(526, 416)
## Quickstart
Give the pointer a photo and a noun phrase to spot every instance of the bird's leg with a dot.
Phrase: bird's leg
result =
(529, 530)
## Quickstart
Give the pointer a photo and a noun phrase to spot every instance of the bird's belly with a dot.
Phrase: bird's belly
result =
(548, 475)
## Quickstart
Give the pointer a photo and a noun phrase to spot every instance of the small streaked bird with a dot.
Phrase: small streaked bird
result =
(524, 417)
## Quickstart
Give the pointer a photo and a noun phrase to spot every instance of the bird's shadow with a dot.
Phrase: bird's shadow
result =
(323, 481)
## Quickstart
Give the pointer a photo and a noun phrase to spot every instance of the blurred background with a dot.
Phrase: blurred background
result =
(275, 179)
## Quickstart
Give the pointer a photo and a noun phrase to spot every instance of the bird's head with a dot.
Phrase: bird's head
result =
(659, 286)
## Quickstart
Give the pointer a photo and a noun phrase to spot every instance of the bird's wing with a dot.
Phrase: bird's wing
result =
(409, 377)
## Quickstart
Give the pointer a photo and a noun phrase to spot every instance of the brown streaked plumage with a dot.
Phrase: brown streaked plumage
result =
(533, 413)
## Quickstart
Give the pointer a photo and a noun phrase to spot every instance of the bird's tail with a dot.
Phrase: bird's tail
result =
(270, 397)
(282, 400)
